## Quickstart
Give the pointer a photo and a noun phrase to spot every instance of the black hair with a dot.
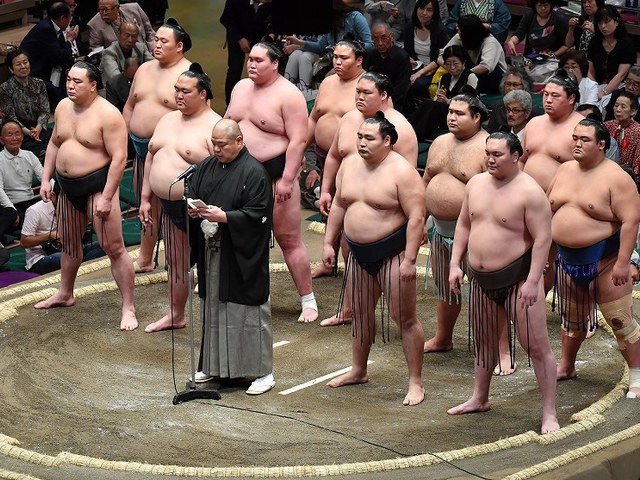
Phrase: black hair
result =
(6, 121)
(458, 52)
(274, 52)
(356, 45)
(594, 111)
(472, 31)
(386, 127)
(632, 98)
(435, 20)
(605, 13)
(204, 82)
(602, 132)
(513, 142)
(476, 107)
(577, 56)
(58, 10)
(93, 74)
(381, 81)
(12, 55)
(568, 83)
(180, 33)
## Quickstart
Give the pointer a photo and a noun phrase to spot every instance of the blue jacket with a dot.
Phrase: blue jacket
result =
(355, 24)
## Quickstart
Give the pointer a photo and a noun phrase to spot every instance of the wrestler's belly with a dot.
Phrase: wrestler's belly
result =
(572, 227)
(145, 116)
(326, 128)
(166, 166)
(363, 224)
(445, 194)
(263, 145)
(492, 248)
(74, 160)
(542, 168)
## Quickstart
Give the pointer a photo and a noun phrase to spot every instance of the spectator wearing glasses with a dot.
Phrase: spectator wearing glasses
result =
(632, 85)
(518, 105)
(105, 25)
(515, 78)
(575, 62)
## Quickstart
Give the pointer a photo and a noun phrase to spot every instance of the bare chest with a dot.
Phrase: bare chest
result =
(461, 161)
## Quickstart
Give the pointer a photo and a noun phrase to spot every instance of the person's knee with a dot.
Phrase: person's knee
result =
(618, 315)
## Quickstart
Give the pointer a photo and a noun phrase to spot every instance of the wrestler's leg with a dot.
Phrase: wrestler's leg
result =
(572, 340)
(401, 296)
(608, 292)
(178, 284)
(549, 271)
(504, 364)
(109, 232)
(534, 338)
(482, 371)
(366, 297)
(346, 315)
(286, 228)
(70, 235)
(446, 313)
(149, 239)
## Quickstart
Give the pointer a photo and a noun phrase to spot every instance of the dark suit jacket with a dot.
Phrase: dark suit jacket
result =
(46, 50)
(242, 21)
(397, 67)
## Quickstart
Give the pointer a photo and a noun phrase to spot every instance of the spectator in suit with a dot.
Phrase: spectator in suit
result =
(246, 22)
(113, 58)
(24, 98)
(105, 25)
(49, 53)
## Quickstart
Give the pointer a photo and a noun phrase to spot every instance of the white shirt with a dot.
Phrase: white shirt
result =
(16, 176)
(38, 220)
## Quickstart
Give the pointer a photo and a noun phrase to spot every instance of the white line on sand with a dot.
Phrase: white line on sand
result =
(318, 380)
(280, 343)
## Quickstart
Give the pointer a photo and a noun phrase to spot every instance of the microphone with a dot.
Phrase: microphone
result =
(187, 173)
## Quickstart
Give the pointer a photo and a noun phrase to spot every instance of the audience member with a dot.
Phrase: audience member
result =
(113, 59)
(484, 51)
(39, 238)
(78, 47)
(515, 78)
(390, 60)
(246, 23)
(575, 62)
(24, 98)
(582, 28)
(300, 64)
(625, 130)
(431, 115)
(424, 37)
(611, 52)
(49, 53)
(18, 169)
(104, 27)
(631, 85)
(493, 14)
(592, 111)
(518, 105)
(395, 13)
(118, 88)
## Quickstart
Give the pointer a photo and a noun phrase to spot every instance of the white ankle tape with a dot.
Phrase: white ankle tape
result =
(309, 301)
(634, 381)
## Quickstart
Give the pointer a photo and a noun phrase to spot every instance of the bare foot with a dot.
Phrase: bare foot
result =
(308, 315)
(321, 271)
(549, 424)
(128, 321)
(590, 333)
(634, 392)
(415, 395)
(470, 406)
(56, 300)
(349, 378)
(562, 374)
(339, 319)
(165, 324)
(432, 346)
(504, 367)
(138, 268)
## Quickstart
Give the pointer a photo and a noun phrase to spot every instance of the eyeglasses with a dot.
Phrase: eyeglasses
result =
(632, 83)
(379, 38)
(452, 64)
(107, 9)
(513, 84)
(515, 110)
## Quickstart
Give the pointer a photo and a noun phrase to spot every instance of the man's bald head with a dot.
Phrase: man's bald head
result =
(227, 140)
(128, 35)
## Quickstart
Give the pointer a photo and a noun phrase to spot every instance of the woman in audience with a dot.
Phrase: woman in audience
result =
(424, 37)
(493, 14)
(542, 30)
(611, 52)
(431, 115)
(582, 28)
(24, 98)
(575, 62)
(484, 51)
(626, 130)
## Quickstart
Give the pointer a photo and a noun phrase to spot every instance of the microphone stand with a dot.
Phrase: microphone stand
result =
(192, 392)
